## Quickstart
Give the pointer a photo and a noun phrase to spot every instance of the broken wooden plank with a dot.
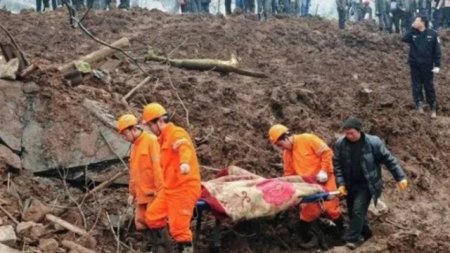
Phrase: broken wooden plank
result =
(132, 91)
(67, 225)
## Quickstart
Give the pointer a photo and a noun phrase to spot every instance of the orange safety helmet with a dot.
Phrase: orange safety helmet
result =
(276, 131)
(153, 111)
(125, 121)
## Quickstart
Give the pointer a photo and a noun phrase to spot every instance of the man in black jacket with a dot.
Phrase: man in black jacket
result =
(357, 165)
(424, 60)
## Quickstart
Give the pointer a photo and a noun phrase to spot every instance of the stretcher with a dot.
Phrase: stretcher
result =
(202, 206)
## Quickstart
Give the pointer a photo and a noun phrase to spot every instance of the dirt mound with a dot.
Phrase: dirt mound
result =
(316, 75)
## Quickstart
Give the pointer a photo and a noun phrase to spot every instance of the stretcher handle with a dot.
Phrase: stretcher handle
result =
(322, 196)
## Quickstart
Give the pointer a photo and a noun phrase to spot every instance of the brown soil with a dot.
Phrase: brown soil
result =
(315, 75)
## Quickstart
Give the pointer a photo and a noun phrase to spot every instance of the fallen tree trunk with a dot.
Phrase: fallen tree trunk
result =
(96, 55)
(75, 247)
(66, 225)
(205, 64)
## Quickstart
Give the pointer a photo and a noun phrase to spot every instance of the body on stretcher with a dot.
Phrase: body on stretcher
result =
(202, 206)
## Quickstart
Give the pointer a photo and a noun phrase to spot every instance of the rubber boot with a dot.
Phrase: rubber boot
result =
(308, 240)
(338, 233)
(339, 222)
(320, 235)
(158, 241)
(185, 247)
(151, 244)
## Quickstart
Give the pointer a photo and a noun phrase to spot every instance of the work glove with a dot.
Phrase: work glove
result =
(322, 176)
(403, 185)
(185, 168)
(130, 200)
(436, 70)
(342, 191)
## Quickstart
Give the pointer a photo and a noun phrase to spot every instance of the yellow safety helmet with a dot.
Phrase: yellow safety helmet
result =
(276, 131)
(153, 111)
(125, 121)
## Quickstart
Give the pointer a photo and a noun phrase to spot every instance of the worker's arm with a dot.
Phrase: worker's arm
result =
(338, 169)
(389, 160)
(407, 38)
(287, 166)
(131, 184)
(155, 152)
(322, 150)
(184, 147)
(437, 52)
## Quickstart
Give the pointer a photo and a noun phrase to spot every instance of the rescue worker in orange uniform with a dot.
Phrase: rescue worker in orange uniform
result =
(145, 171)
(307, 155)
(176, 201)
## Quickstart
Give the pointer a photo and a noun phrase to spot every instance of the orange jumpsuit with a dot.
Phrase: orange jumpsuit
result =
(145, 175)
(308, 156)
(180, 192)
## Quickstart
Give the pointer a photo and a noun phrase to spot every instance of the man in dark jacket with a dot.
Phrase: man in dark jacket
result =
(424, 60)
(357, 165)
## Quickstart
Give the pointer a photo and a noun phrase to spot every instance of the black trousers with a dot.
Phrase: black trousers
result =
(358, 201)
(397, 17)
(422, 79)
(228, 7)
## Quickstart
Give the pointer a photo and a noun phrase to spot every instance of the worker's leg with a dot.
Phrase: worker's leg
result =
(180, 213)
(416, 86)
(427, 77)
(359, 198)
(157, 213)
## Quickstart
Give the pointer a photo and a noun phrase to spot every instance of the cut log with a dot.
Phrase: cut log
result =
(76, 247)
(205, 64)
(106, 183)
(66, 225)
(96, 55)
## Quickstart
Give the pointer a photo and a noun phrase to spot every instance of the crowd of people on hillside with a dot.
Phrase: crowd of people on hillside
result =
(396, 15)
(391, 15)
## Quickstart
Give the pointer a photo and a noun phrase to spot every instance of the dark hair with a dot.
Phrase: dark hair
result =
(424, 19)
(284, 136)
(165, 118)
(353, 122)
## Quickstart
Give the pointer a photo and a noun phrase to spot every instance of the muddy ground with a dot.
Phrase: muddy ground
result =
(316, 73)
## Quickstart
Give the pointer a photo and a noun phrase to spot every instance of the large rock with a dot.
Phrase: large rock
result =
(7, 235)
(6, 249)
(8, 157)
(12, 108)
(47, 145)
